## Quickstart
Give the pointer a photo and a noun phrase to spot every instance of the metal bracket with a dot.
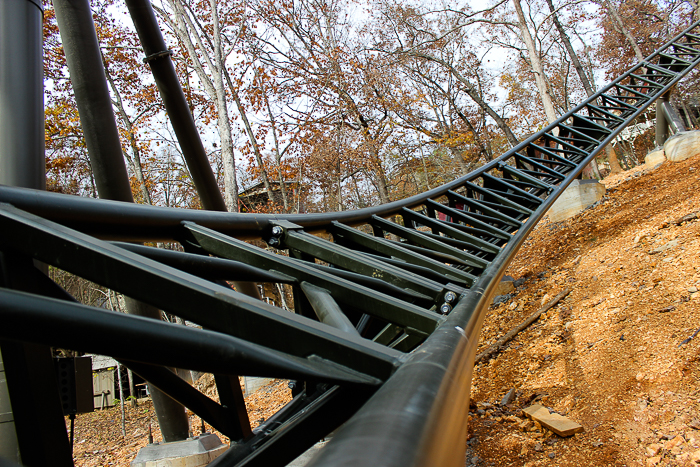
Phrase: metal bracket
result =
(157, 55)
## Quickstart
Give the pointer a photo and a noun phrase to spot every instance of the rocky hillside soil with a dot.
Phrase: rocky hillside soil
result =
(619, 354)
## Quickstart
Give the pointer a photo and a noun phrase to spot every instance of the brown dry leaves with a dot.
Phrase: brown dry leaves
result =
(98, 438)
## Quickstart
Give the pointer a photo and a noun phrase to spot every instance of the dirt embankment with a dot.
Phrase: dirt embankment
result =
(614, 355)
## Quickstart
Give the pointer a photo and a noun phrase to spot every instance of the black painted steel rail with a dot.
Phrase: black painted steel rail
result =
(388, 301)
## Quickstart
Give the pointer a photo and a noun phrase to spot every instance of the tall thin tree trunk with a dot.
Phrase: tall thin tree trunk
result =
(612, 11)
(135, 159)
(121, 399)
(132, 389)
(214, 85)
(251, 136)
(570, 50)
(612, 159)
(379, 175)
(231, 195)
(535, 63)
(592, 170)
(216, 45)
(278, 156)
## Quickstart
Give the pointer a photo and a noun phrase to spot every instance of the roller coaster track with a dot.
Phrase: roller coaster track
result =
(388, 300)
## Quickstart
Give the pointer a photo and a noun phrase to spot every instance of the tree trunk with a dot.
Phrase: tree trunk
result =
(459, 159)
(230, 182)
(135, 161)
(278, 156)
(132, 389)
(251, 136)
(376, 164)
(612, 11)
(570, 50)
(535, 63)
(214, 87)
(612, 159)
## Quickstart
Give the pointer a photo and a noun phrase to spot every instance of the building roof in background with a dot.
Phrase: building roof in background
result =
(101, 362)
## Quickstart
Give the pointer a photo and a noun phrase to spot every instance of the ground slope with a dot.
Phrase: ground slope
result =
(612, 355)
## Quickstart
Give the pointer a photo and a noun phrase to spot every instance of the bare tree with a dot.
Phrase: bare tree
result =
(535, 60)
(209, 64)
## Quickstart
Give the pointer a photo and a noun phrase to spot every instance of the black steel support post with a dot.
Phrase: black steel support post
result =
(662, 127)
(172, 418)
(158, 58)
(22, 164)
(89, 83)
(675, 122)
(32, 388)
(21, 94)
(87, 73)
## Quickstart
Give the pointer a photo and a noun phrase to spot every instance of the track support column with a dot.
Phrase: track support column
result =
(87, 74)
(22, 164)
(668, 122)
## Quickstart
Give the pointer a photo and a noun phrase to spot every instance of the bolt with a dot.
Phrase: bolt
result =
(450, 297)
(445, 308)
(277, 230)
(274, 241)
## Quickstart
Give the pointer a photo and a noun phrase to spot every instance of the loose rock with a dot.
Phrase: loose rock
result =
(554, 422)
(662, 248)
(508, 398)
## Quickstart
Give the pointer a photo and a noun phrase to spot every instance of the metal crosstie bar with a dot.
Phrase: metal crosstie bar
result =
(388, 301)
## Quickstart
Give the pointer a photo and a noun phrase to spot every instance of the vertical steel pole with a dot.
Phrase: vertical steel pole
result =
(21, 153)
(21, 95)
(89, 82)
(32, 386)
(172, 419)
(662, 129)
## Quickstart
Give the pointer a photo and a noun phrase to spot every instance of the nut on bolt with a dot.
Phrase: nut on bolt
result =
(445, 308)
(273, 241)
(277, 231)
(450, 297)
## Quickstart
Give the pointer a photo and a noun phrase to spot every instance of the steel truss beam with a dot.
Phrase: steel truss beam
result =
(389, 301)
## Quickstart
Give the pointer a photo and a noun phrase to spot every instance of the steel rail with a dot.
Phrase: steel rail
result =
(386, 324)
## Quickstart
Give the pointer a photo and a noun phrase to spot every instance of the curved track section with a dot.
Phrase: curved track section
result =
(388, 301)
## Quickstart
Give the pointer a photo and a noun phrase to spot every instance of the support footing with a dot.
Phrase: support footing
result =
(192, 452)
